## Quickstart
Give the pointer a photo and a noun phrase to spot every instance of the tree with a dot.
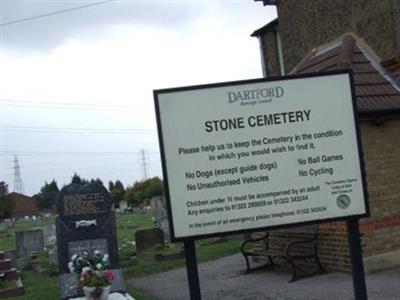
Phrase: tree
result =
(6, 203)
(78, 180)
(47, 197)
(3, 189)
(110, 186)
(131, 197)
(96, 181)
(142, 190)
(117, 191)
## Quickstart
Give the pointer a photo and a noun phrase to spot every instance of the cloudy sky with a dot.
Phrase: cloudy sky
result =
(77, 76)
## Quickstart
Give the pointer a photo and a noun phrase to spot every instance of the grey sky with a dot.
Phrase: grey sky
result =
(47, 32)
(76, 88)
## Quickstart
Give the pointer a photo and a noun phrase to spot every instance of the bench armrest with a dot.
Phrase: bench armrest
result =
(251, 240)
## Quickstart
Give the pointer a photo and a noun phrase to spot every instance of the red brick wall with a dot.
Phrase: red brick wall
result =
(380, 232)
(382, 155)
(23, 205)
(333, 246)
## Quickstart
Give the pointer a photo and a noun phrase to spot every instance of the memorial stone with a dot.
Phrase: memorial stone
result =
(8, 222)
(130, 225)
(85, 223)
(157, 205)
(147, 238)
(28, 242)
(49, 234)
(3, 229)
(53, 257)
(164, 226)
(4, 226)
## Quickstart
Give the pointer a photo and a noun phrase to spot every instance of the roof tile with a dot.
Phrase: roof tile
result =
(374, 89)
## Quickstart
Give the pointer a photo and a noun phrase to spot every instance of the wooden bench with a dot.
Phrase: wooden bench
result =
(297, 244)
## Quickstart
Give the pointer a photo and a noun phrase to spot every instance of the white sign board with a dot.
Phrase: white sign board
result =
(255, 154)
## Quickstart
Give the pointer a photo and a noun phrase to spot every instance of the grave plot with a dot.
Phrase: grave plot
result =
(85, 223)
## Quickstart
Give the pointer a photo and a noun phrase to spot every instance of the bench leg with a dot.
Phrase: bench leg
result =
(248, 267)
(321, 268)
(297, 271)
(271, 262)
(295, 276)
(247, 264)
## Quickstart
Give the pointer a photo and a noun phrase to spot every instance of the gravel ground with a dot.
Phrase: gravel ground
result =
(224, 279)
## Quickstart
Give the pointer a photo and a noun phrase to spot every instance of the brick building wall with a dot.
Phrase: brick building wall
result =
(272, 63)
(307, 24)
(267, 37)
(23, 205)
(380, 232)
(382, 154)
(333, 247)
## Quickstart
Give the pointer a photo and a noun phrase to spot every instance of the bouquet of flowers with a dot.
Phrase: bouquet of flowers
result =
(92, 270)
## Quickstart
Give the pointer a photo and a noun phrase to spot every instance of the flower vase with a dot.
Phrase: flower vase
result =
(96, 293)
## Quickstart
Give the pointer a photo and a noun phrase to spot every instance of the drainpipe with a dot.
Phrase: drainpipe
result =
(264, 59)
(280, 53)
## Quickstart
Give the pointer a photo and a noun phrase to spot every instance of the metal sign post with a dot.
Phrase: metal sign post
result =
(357, 267)
(191, 268)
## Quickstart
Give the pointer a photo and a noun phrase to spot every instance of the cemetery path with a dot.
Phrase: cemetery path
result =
(224, 279)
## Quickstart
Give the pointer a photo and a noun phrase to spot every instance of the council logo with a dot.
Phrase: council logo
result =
(343, 201)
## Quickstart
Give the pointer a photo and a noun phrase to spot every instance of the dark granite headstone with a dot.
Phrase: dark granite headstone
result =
(147, 238)
(88, 245)
(85, 223)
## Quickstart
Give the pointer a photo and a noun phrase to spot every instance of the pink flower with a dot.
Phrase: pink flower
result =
(84, 276)
(109, 275)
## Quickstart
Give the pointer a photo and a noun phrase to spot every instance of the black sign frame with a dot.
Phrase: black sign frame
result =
(156, 94)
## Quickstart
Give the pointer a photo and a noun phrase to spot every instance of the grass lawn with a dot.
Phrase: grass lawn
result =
(38, 287)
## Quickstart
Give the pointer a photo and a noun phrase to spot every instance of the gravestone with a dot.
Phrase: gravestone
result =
(160, 215)
(4, 226)
(130, 225)
(158, 207)
(8, 222)
(85, 223)
(3, 229)
(147, 238)
(29, 241)
(53, 257)
(164, 226)
(49, 234)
